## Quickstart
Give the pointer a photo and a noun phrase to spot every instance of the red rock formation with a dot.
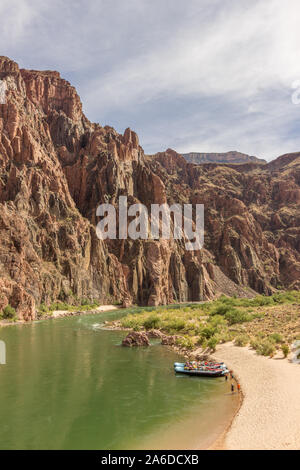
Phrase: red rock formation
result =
(136, 338)
(57, 167)
(228, 157)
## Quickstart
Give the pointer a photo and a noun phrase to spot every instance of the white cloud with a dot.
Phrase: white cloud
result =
(209, 76)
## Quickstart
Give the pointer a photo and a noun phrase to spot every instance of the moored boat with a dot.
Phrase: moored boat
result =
(202, 372)
(196, 365)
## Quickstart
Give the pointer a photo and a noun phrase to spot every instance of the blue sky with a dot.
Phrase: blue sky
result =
(196, 75)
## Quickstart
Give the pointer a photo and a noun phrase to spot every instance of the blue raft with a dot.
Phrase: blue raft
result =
(205, 370)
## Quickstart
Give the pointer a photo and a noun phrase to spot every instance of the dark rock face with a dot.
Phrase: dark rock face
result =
(136, 338)
(57, 167)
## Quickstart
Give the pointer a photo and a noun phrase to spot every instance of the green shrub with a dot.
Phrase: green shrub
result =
(9, 312)
(212, 343)
(177, 324)
(276, 338)
(217, 320)
(43, 309)
(152, 322)
(221, 309)
(207, 332)
(237, 316)
(287, 297)
(241, 340)
(285, 349)
(265, 348)
(131, 322)
(185, 342)
(262, 300)
(224, 336)
(254, 343)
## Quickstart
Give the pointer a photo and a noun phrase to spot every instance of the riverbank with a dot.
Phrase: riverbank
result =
(269, 416)
(63, 313)
(67, 313)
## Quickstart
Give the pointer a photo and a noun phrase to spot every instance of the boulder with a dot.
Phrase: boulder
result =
(136, 338)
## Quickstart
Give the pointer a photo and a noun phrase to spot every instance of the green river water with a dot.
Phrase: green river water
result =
(68, 384)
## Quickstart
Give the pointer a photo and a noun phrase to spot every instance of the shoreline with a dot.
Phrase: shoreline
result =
(269, 415)
(68, 313)
(63, 313)
(219, 442)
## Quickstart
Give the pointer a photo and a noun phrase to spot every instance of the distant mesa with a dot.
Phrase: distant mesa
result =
(232, 157)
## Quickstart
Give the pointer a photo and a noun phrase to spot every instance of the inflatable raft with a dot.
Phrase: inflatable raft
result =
(202, 372)
(212, 365)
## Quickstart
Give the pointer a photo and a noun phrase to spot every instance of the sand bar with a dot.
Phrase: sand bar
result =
(269, 417)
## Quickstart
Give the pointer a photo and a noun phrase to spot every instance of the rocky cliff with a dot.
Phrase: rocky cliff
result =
(227, 157)
(57, 167)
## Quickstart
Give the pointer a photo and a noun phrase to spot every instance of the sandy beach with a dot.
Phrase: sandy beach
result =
(269, 417)
(101, 308)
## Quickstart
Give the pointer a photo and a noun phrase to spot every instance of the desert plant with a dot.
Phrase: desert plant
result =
(237, 316)
(185, 342)
(207, 332)
(276, 338)
(285, 349)
(9, 312)
(221, 309)
(241, 340)
(43, 309)
(152, 322)
(212, 343)
(265, 348)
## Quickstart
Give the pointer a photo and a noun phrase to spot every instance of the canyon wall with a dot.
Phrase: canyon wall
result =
(57, 167)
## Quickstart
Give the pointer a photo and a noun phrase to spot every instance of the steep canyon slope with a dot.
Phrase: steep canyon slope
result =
(57, 167)
(228, 157)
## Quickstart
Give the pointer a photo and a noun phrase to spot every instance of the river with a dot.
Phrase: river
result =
(68, 384)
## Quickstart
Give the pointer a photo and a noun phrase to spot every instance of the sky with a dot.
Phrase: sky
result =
(196, 75)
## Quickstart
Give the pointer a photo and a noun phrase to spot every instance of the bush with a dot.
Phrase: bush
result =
(276, 338)
(43, 308)
(9, 312)
(262, 300)
(185, 342)
(285, 349)
(217, 320)
(212, 343)
(254, 343)
(224, 336)
(59, 306)
(221, 309)
(152, 322)
(207, 332)
(237, 316)
(176, 324)
(241, 340)
(265, 348)
(131, 322)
